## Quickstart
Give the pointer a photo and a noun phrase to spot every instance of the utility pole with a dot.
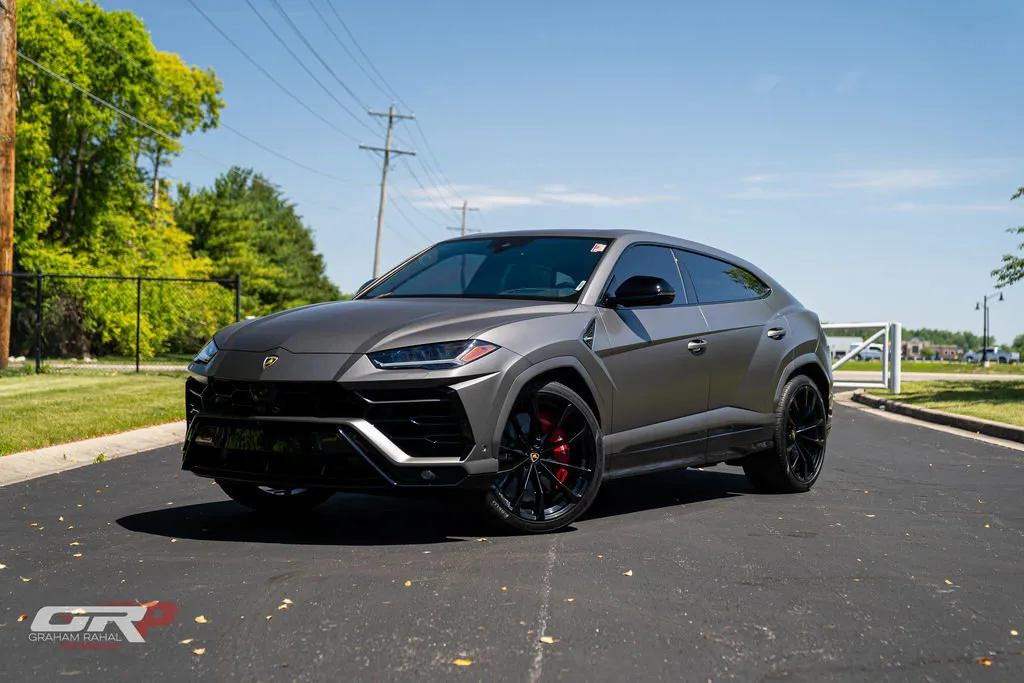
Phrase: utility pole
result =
(8, 122)
(464, 208)
(387, 151)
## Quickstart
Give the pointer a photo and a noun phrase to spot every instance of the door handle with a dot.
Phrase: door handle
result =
(696, 346)
(776, 333)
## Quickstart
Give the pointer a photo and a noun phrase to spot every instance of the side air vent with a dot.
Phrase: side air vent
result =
(588, 334)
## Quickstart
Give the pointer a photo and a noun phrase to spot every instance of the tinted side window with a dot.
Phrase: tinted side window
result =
(715, 281)
(653, 261)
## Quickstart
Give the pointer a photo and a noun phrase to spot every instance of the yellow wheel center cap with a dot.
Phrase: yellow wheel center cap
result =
(534, 457)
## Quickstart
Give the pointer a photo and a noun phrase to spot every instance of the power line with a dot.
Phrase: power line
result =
(302, 64)
(302, 37)
(340, 42)
(129, 117)
(426, 194)
(423, 135)
(408, 220)
(146, 72)
(267, 74)
(365, 56)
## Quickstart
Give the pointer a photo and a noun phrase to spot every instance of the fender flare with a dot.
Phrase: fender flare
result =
(809, 358)
(531, 373)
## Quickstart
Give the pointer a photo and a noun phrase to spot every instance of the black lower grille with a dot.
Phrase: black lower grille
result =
(422, 421)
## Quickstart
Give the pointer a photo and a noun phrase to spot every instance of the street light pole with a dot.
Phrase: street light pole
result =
(984, 326)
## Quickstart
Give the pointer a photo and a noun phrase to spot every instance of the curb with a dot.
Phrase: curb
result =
(998, 430)
(19, 467)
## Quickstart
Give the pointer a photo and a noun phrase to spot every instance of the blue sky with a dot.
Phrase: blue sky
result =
(863, 153)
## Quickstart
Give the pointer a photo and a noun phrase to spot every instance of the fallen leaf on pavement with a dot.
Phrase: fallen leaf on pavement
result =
(570, 599)
(23, 617)
(74, 543)
(201, 620)
(282, 606)
(984, 661)
(408, 583)
(628, 572)
(869, 515)
(1013, 632)
(548, 639)
(3, 566)
(948, 582)
(24, 579)
(174, 540)
(60, 519)
(77, 555)
(269, 617)
(600, 557)
(986, 526)
(483, 540)
(504, 588)
(185, 642)
(199, 650)
(462, 662)
(151, 603)
(286, 601)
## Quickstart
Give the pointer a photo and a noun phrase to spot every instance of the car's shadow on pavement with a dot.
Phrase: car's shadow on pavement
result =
(355, 519)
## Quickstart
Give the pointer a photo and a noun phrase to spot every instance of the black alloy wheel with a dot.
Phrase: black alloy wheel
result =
(801, 431)
(549, 463)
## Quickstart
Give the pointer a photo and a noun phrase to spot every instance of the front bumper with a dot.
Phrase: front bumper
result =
(342, 454)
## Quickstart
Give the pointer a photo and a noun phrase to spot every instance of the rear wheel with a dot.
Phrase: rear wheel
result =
(794, 465)
(274, 500)
(550, 462)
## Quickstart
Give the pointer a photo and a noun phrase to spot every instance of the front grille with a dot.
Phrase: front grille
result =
(301, 455)
(423, 422)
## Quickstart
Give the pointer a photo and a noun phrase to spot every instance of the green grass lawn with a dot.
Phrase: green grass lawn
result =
(43, 410)
(1002, 401)
(937, 366)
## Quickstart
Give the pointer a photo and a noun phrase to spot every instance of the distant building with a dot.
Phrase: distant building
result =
(915, 348)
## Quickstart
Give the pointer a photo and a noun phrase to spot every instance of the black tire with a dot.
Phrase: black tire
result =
(274, 501)
(538, 454)
(801, 430)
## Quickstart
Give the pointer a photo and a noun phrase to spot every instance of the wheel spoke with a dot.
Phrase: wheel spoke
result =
(566, 442)
(805, 428)
(559, 424)
(534, 417)
(538, 503)
(812, 439)
(522, 491)
(574, 468)
(514, 467)
(568, 491)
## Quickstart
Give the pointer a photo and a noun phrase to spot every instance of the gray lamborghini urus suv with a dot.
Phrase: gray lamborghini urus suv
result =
(525, 368)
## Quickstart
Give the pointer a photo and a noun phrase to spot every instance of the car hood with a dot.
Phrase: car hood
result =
(368, 325)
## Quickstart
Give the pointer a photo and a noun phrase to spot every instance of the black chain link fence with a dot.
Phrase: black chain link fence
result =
(116, 321)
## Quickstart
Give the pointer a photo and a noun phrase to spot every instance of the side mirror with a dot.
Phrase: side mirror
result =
(642, 290)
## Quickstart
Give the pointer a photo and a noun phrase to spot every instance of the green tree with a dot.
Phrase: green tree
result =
(84, 173)
(1018, 344)
(1012, 269)
(244, 225)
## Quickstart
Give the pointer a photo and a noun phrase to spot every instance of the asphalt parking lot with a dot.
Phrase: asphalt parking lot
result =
(906, 562)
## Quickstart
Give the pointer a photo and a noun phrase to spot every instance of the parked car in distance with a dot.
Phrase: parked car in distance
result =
(522, 368)
(872, 352)
(993, 354)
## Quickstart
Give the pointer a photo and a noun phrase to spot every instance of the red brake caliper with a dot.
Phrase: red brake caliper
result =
(561, 453)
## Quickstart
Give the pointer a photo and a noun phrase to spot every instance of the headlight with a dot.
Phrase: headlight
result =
(207, 354)
(443, 356)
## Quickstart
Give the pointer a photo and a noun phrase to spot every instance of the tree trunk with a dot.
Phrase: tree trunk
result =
(73, 206)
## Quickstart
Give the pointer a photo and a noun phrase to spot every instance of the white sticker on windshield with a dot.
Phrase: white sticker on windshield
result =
(598, 247)
(580, 285)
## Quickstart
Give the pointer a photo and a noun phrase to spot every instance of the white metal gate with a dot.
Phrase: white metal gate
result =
(891, 335)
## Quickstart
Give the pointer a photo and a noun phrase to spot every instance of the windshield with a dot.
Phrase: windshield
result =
(519, 267)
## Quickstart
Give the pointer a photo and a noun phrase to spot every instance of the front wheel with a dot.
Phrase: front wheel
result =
(550, 462)
(273, 500)
(801, 428)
